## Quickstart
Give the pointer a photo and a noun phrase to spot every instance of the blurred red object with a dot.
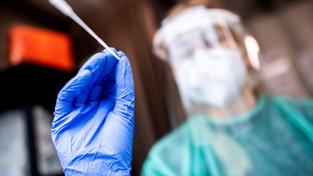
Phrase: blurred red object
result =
(43, 47)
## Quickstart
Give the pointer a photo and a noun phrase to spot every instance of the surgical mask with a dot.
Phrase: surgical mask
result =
(212, 77)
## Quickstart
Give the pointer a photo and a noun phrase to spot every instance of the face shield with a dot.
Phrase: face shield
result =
(203, 46)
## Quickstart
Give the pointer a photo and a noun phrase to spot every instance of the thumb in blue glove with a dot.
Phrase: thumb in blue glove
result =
(94, 118)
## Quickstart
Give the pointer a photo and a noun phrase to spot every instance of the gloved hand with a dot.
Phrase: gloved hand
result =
(93, 121)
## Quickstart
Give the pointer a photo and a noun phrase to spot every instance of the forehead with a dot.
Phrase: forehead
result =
(198, 19)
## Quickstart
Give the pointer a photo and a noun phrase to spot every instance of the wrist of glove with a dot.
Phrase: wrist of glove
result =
(108, 167)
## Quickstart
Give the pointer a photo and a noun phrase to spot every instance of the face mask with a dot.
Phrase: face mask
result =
(211, 77)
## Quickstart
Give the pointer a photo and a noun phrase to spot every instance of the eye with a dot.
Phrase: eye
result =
(220, 34)
(225, 35)
(205, 41)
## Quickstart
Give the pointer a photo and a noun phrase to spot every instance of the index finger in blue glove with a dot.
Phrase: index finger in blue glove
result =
(70, 91)
(102, 67)
(100, 64)
(105, 79)
(97, 68)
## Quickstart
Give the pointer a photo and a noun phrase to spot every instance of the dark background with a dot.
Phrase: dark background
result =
(283, 29)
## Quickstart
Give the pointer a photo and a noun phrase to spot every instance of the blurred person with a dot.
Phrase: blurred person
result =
(232, 129)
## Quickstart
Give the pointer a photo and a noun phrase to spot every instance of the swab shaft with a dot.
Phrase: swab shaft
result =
(68, 11)
(94, 35)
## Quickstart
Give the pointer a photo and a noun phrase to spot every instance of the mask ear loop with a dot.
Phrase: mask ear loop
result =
(210, 35)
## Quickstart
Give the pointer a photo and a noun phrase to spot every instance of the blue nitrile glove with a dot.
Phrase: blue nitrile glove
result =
(93, 121)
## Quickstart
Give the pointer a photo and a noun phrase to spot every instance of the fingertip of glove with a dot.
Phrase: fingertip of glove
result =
(121, 54)
(112, 48)
(123, 57)
(107, 51)
(123, 62)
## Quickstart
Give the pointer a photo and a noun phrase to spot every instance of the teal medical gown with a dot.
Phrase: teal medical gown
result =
(275, 138)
